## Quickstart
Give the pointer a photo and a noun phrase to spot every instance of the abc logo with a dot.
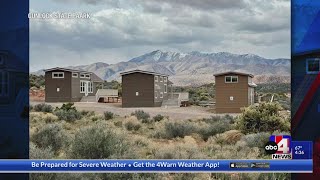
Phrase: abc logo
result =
(271, 147)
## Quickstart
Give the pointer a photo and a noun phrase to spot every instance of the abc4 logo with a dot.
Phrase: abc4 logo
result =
(282, 147)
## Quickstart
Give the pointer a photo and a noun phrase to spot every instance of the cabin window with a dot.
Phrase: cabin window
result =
(4, 84)
(88, 76)
(161, 79)
(58, 75)
(313, 66)
(155, 78)
(75, 75)
(82, 76)
(165, 88)
(231, 79)
(82, 86)
(161, 94)
(90, 87)
(165, 79)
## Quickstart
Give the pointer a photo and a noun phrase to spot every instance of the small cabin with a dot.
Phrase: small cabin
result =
(144, 88)
(234, 90)
(69, 85)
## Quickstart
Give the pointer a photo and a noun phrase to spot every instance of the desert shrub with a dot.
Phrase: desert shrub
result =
(178, 129)
(87, 113)
(108, 115)
(213, 126)
(141, 142)
(142, 116)
(68, 112)
(262, 118)
(30, 107)
(40, 153)
(43, 108)
(257, 139)
(232, 136)
(274, 176)
(158, 118)
(49, 118)
(118, 123)
(217, 147)
(97, 142)
(132, 124)
(177, 151)
(50, 135)
(67, 107)
(68, 116)
(95, 118)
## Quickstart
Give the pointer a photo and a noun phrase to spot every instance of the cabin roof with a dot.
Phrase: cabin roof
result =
(233, 72)
(143, 72)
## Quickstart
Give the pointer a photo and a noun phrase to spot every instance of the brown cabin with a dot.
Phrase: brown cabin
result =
(234, 90)
(69, 85)
(144, 88)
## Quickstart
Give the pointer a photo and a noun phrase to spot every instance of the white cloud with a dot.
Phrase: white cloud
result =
(128, 30)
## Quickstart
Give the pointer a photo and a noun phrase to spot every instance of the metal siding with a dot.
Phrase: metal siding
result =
(137, 82)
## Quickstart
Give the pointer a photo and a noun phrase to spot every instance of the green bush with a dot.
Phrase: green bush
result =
(256, 140)
(158, 118)
(87, 113)
(178, 129)
(68, 116)
(43, 108)
(142, 116)
(108, 115)
(51, 135)
(30, 107)
(262, 118)
(40, 153)
(213, 128)
(97, 142)
(67, 107)
(132, 125)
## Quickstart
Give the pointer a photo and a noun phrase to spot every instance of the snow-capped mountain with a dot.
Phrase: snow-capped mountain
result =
(195, 68)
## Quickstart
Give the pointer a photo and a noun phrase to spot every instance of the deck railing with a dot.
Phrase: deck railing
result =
(106, 93)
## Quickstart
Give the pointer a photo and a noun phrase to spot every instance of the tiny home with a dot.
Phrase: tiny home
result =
(234, 90)
(144, 88)
(69, 85)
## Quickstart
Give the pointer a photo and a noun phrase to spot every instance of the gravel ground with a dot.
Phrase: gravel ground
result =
(178, 113)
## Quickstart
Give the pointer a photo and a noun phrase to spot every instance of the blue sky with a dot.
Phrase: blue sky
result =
(122, 29)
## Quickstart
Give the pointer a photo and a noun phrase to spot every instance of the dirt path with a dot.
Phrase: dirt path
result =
(178, 113)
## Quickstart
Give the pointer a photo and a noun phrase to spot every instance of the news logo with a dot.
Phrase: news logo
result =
(279, 147)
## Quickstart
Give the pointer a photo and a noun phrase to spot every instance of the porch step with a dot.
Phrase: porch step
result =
(171, 103)
(88, 99)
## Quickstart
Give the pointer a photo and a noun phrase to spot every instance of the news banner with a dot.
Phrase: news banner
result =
(287, 156)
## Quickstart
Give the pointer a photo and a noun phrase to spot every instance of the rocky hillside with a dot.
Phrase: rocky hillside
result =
(196, 68)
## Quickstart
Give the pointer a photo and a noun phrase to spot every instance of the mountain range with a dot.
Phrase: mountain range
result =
(195, 68)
